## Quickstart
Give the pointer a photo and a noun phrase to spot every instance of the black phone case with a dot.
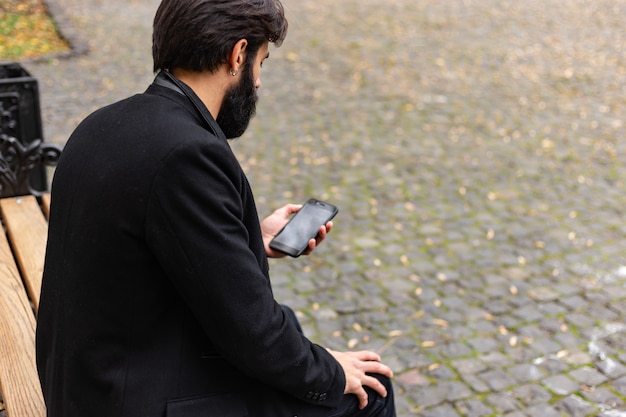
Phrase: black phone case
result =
(295, 250)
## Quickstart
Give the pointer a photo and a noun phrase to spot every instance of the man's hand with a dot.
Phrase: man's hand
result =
(277, 220)
(355, 366)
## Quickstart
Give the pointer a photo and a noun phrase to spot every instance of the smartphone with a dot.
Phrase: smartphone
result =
(294, 238)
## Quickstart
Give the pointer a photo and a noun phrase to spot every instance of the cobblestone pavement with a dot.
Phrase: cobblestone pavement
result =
(475, 150)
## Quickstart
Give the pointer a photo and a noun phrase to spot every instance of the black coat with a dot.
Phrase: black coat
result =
(156, 297)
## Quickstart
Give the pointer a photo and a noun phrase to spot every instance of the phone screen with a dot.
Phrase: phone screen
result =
(294, 238)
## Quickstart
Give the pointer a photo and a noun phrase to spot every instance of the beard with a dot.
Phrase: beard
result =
(239, 106)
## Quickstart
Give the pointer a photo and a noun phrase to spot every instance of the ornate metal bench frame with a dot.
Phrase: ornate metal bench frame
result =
(17, 161)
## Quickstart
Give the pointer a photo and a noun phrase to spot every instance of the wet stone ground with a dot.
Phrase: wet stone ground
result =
(476, 152)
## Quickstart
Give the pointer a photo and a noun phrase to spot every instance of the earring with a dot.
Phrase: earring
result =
(234, 72)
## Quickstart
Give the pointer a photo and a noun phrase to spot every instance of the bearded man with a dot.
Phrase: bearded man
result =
(156, 297)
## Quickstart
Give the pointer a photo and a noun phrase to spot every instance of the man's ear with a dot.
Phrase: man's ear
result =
(237, 56)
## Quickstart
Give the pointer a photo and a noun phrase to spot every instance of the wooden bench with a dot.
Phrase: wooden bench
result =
(22, 251)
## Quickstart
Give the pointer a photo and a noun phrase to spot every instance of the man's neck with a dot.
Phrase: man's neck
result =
(209, 87)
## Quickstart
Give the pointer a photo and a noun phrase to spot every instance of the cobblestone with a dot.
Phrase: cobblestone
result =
(561, 385)
(476, 152)
(574, 406)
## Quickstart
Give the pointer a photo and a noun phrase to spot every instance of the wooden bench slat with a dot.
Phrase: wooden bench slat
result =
(45, 203)
(28, 231)
(19, 382)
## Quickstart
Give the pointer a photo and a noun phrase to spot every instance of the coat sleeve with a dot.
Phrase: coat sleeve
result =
(195, 226)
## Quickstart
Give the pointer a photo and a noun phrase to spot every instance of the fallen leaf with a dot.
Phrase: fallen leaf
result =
(433, 367)
(440, 322)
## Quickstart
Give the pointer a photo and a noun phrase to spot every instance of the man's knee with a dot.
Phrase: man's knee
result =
(378, 406)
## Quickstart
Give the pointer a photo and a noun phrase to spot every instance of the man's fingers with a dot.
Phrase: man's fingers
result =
(373, 367)
(359, 368)
(365, 355)
(361, 396)
(375, 384)
(289, 209)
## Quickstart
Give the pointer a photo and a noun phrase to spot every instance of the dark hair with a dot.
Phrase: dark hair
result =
(198, 35)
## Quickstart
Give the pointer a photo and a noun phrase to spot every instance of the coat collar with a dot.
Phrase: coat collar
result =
(166, 79)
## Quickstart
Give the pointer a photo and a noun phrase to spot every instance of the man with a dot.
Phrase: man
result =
(156, 298)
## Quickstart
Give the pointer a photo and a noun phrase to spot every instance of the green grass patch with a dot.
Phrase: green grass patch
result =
(27, 31)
